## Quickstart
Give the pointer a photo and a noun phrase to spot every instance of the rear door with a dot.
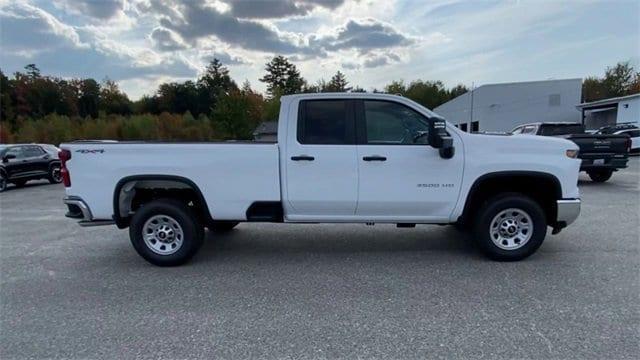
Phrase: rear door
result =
(401, 176)
(321, 166)
(37, 160)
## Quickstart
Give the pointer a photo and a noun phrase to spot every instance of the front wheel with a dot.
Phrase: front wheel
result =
(510, 227)
(600, 175)
(166, 232)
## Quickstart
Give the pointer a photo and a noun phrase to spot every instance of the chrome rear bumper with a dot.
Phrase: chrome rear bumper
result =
(78, 209)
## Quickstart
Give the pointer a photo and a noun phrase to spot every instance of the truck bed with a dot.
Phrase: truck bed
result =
(232, 175)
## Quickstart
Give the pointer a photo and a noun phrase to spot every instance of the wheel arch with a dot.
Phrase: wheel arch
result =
(542, 187)
(53, 163)
(184, 183)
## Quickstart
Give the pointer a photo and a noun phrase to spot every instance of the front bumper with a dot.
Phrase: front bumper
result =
(568, 211)
(78, 209)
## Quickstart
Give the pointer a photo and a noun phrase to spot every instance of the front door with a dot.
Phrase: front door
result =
(17, 166)
(401, 176)
(321, 165)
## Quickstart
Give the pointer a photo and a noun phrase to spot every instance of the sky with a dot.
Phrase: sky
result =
(142, 43)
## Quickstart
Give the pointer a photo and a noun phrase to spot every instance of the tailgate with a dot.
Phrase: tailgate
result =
(600, 144)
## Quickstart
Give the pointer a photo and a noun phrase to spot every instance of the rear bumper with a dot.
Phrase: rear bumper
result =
(610, 163)
(568, 211)
(78, 209)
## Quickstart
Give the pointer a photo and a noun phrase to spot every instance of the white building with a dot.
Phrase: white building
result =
(624, 109)
(501, 107)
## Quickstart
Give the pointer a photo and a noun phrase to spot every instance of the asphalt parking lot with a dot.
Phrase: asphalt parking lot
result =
(321, 291)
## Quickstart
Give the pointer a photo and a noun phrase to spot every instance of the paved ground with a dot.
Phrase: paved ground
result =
(321, 291)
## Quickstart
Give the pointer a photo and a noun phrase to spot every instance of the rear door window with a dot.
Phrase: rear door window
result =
(326, 122)
(33, 151)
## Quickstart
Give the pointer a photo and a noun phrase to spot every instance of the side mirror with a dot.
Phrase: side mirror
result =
(440, 139)
(8, 157)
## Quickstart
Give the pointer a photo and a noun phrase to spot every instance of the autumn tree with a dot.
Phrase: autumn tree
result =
(619, 80)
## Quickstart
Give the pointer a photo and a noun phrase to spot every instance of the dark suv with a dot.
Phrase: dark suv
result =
(23, 162)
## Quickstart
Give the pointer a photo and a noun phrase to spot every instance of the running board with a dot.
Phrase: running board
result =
(96, 223)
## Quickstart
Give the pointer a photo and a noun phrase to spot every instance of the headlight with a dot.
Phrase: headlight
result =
(572, 154)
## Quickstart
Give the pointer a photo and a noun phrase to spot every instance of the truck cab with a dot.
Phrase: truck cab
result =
(339, 158)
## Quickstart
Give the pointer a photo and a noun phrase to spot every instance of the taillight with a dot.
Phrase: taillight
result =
(65, 155)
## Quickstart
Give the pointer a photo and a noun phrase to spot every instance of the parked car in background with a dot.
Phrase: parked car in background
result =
(601, 154)
(23, 162)
(339, 158)
(630, 129)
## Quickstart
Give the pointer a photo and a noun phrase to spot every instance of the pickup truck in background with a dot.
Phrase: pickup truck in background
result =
(339, 158)
(601, 154)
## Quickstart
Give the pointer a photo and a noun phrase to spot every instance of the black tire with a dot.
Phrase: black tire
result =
(222, 226)
(600, 175)
(3, 182)
(19, 183)
(495, 206)
(461, 226)
(193, 232)
(54, 175)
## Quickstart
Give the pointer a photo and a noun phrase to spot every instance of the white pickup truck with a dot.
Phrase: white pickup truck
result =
(339, 158)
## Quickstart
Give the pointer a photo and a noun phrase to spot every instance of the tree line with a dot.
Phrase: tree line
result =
(39, 108)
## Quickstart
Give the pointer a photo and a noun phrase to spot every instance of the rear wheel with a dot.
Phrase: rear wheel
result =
(600, 175)
(510, 227)
(222, 226)
(54, 176)
(166, 232)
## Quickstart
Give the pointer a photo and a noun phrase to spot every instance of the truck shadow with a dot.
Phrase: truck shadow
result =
(252, 239)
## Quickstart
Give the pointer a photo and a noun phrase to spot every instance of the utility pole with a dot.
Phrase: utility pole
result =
(471, 111)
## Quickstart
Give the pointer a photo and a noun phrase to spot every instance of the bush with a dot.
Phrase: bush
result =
(55, 129)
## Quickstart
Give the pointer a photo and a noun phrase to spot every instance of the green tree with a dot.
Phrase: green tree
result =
(112, 100)
(396, 87)
(338, 83)
(282, 77)
(234, 117)
(7, 114)
(32, 71)
(214, 83)
(619, 80)
(457, 90)
(88, 97)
